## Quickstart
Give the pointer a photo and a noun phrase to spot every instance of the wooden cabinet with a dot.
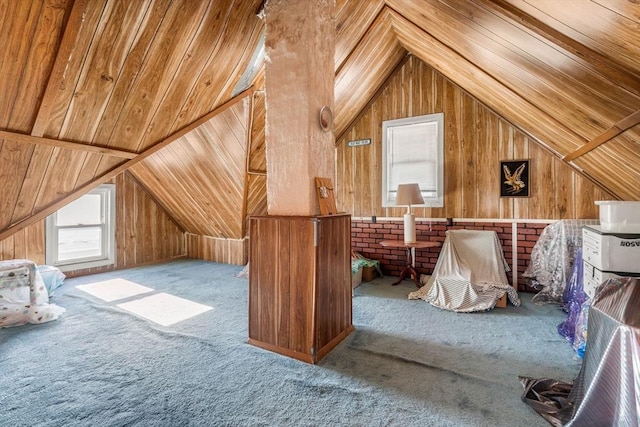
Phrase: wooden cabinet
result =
(300, 284)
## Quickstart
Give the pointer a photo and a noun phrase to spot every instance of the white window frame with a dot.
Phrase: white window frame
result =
(107, 224)
(419, 158)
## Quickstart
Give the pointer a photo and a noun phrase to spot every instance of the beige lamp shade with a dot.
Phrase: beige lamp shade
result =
(407, 195)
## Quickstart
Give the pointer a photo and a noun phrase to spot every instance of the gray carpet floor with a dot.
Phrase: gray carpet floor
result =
(406, 364)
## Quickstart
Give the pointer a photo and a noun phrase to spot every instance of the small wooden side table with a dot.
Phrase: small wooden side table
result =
(409, 269)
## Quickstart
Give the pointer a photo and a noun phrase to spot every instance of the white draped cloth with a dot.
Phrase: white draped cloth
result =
(470, 274)
(23, 295)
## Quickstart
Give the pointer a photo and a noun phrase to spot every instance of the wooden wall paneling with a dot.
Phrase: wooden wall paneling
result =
(505, 152)
(437, 104)
(144, 232)
(26, 244)
(122, 237)
(486, 176)
(212, 159)
(20, 245)
(483, 86)
(344, 168)
(548, 27)
(585, 205)
(333, 280)
(104, 60)
(65, 88)
(174, 35)
(584, 95)
(38, 38)
(379, 52)
(8, 247)
(521, 145)
(503, 48)
(352, 18)
(299, 293)
(32, 50)
(19, 21)
(35, 238)
(68, 42)
(150, 247)
(42, 42)
(469, 162)
(207, 248)
(257, 148)
(230, 56)
(453, 163)
(266, 290)
(257, 195)
(362, 169)
(606, 160)
(592, 24)
(483, 140)
(373, 178)
(205, 42)
(302, 286)
(542, 184)
(138, 56)
(564, 190)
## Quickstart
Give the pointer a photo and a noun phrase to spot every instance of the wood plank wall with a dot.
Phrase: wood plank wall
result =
(145, 233)
(476, 139)
(217, 249)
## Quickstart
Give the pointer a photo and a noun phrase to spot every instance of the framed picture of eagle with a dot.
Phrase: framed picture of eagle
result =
(514, 176)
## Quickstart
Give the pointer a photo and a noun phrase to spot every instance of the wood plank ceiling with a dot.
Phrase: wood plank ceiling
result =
(90, 88)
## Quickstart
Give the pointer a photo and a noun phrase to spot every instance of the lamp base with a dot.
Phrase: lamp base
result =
(409, 228)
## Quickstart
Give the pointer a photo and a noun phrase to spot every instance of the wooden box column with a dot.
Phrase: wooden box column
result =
(300, 284)
(299, 262)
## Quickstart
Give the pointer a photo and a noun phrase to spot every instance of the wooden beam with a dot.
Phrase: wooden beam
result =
(615, 130)
(48, 210)
(21, 137)
(56, 78)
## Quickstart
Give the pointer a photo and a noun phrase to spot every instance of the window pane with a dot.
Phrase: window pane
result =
(85, 210)
(413, 152)
(79, 243)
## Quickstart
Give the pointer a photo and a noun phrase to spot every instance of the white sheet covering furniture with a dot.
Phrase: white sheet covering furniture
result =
(23, 295)
(470, 274)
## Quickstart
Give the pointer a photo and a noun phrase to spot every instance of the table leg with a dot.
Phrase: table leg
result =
(408, 270)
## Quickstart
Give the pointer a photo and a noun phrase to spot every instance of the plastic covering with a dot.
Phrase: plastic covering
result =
(23, 295)
(574, 326)
(552, 259)
(607, 389)
(469, 274)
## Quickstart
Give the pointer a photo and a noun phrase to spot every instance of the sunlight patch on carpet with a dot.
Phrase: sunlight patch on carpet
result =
(114, 289)
(164, 309)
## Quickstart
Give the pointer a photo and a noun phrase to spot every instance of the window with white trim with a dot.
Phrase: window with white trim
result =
(82, 234)
(413, 151)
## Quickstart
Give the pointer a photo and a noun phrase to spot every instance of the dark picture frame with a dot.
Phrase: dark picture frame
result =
(514, 178)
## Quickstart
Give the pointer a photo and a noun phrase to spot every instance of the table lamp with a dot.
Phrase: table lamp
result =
(407, 195)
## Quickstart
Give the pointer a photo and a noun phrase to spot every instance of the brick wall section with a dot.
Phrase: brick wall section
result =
(366, 235)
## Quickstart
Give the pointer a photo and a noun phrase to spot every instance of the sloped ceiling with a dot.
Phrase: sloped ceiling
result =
(89, 88)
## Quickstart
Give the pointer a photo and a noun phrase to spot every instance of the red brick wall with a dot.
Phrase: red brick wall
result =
(365, 235)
